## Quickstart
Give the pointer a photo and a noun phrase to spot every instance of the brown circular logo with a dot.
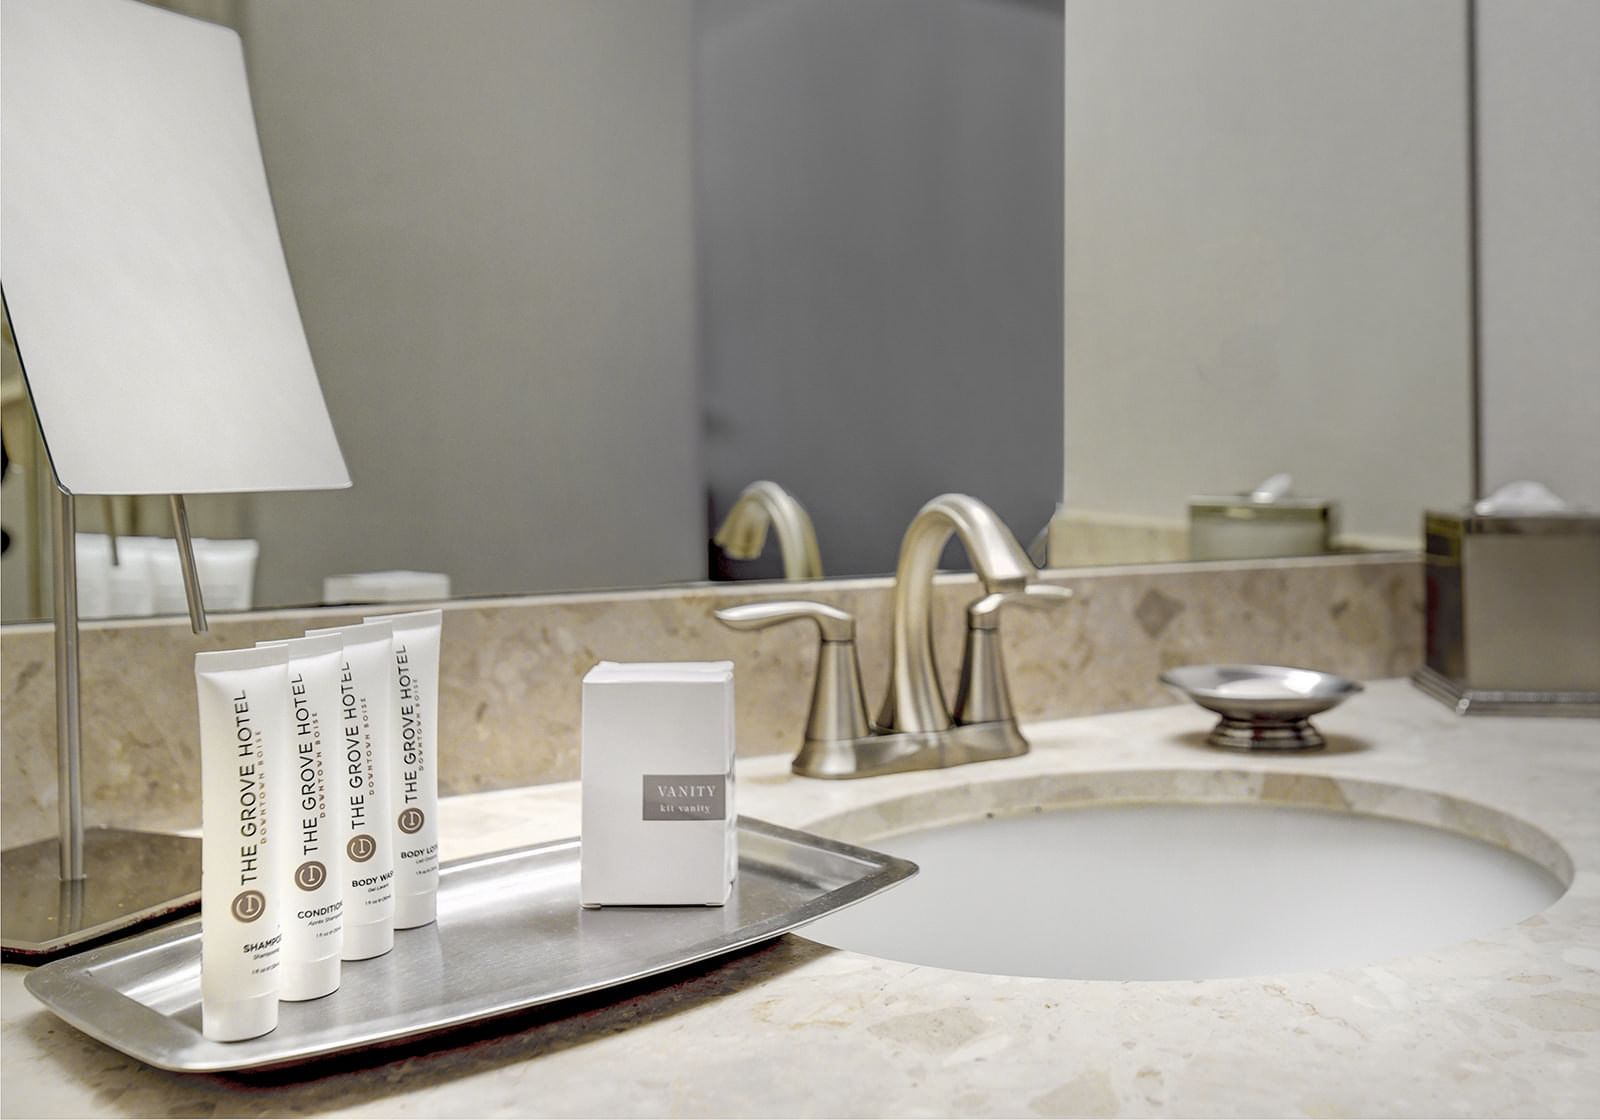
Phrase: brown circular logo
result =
(361, 847)
(411, 820)
(249, 905)
(310, 875)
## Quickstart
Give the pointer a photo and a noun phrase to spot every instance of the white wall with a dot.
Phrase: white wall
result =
(487, 213)
(1266, 254)
(1539, 223)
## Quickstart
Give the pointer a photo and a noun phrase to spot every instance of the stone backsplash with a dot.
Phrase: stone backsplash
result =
(510, 668)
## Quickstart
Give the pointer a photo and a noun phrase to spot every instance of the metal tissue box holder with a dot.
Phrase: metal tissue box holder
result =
(1513, 613)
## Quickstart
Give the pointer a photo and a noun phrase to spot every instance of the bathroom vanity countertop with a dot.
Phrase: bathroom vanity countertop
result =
(1507, 1024)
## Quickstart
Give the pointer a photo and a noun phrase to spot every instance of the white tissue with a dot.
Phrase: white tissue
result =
(1522, 496)
(1271, 489)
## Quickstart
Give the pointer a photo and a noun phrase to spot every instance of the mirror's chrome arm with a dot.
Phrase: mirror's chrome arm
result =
(69, 705)
(69, 709)
(191, 572)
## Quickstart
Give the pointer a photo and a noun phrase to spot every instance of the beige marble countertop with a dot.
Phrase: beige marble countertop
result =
(1505, 1024)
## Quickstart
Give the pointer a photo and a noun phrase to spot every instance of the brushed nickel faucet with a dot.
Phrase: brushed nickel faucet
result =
(916, 729)
(743, 533)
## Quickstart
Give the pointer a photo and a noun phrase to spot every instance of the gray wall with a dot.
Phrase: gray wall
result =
(880, 237)
(1267, 249)
(1539, 222)
(486, 207)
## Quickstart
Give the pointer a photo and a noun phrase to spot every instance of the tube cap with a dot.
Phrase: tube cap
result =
(371, 939)
(234, 1020)
(413, 910)
(309, 979)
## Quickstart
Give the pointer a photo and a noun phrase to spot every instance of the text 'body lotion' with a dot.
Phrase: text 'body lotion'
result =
(311, 868)
(365, 701)
(244, 707)
(414, 773)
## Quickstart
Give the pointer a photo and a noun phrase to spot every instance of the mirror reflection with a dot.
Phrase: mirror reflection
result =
(1267, 274)
(577, 273)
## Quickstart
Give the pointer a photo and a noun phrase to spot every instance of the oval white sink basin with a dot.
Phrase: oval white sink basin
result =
(1187, 891)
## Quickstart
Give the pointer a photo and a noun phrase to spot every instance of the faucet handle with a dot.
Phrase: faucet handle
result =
(983, 696)
(838, 710)
(836, 625)
(984, 614)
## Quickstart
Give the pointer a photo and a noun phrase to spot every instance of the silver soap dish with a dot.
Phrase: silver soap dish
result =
(1263, 707)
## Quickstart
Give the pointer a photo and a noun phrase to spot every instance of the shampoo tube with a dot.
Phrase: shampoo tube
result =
(365, 701)
(414, 773)
(311, 870)
(244, 706)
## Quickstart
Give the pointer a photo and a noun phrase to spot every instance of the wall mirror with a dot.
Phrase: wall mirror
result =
(574, 272)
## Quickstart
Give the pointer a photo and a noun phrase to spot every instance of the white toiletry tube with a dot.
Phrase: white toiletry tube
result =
(414, 772)
(365, 701)
(244, 714)
(311, 864)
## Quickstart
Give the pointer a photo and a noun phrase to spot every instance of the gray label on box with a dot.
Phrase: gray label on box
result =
(685, 797)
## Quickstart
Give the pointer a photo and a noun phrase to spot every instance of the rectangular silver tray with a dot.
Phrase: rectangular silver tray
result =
(510, 936)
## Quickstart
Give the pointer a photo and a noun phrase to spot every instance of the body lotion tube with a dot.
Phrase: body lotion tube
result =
(244, 701)
(311, 864)
(414, 776)
(365, 702)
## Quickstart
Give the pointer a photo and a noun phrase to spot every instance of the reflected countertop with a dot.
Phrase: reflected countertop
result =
(1505, 1024)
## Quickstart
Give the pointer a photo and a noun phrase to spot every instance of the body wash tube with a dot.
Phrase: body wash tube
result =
(244, 710)
(365, 701)
(311, 868)
(414, 773)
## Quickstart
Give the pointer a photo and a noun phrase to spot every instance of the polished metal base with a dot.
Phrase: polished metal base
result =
(132, 880)
(1469, 701)
(1265, 734)
(1263, 707)
(896, 752)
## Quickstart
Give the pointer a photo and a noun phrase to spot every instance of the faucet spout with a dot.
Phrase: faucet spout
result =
(915, 701)
(761, 505)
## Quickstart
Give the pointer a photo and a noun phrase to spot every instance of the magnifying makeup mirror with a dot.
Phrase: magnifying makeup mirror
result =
(162, 349)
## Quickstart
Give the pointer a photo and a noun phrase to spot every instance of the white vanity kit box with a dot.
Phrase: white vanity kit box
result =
(658, 807)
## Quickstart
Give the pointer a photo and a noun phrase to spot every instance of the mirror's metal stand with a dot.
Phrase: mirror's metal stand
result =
(191, 574)
(91, 884)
